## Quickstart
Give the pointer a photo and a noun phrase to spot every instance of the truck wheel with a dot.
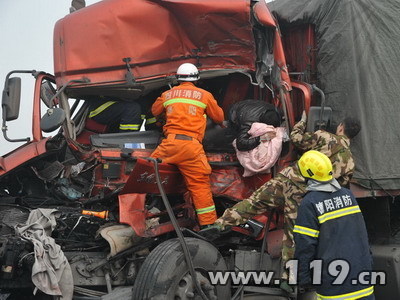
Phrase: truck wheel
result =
(165, 275)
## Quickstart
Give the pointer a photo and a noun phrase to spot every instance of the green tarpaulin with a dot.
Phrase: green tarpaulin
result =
(358, 64)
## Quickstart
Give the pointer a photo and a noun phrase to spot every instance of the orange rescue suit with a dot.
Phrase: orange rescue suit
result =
(185, 108)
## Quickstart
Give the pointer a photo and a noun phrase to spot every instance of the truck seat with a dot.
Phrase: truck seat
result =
(91, 127)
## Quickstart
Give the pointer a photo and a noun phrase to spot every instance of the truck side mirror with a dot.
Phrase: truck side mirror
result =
(47, 92)
(314, 115)
(53, 119)
(12, 98)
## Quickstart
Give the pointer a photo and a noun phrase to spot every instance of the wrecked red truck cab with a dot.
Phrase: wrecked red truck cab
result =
(113, 226)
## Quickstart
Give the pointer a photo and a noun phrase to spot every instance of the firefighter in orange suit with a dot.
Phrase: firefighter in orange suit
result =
(184, 108)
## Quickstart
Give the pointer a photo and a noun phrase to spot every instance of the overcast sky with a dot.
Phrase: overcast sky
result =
(26, 34)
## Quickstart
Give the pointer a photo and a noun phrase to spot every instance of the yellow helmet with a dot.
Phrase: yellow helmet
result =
(315, 165)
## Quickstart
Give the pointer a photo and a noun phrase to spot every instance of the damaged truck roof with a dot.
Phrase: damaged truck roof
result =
(155, 36)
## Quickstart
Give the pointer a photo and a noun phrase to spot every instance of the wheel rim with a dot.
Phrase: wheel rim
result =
(186, 290)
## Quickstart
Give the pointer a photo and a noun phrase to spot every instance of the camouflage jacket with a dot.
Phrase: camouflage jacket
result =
(337, 148)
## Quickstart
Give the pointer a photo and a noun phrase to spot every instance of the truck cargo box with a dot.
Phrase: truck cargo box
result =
(357, 50)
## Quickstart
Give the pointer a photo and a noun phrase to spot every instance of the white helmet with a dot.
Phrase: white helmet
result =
(187, 72)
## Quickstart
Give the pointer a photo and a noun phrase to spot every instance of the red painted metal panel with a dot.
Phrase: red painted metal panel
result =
(132, 212)
(22, 154)
(143, 179)
(225, 181)
(301, 97)
(300, 46)
(156, 35)
(229, 182)
(263, 14)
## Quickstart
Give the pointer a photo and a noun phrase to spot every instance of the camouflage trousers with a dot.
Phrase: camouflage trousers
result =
(281, 193)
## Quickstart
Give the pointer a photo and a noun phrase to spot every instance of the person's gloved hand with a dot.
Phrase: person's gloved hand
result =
(286, 287)
(304, 117)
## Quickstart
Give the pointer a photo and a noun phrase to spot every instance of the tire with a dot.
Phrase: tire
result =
(165, 275)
